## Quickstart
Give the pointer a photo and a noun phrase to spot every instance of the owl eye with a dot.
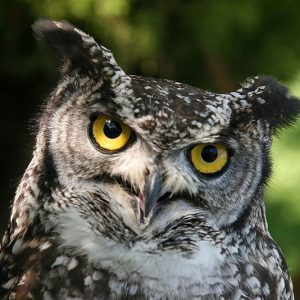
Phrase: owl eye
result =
(109, 133)
(209, 158)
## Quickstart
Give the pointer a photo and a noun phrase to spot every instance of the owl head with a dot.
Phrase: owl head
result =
(126, 158)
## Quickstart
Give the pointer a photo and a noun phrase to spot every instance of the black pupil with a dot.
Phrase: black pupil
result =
(209, 153)
(112, 129)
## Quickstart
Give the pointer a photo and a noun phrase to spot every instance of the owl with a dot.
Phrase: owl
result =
(143, 188)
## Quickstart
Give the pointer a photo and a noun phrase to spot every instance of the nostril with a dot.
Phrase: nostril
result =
(147, 172)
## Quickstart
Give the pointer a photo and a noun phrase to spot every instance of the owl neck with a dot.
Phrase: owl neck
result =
(28, 198)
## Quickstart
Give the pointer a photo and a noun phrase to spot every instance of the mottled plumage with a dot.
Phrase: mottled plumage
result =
(143, 222)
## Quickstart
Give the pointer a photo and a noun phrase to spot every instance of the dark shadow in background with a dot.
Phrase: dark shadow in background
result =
(24, 82)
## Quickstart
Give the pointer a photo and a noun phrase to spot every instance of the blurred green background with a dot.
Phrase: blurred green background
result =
(210, 44)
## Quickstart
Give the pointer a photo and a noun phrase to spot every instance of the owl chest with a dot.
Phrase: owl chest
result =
(78, 279)
(135, 275)
(140, 274)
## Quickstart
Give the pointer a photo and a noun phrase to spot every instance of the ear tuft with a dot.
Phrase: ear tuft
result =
(75, 48)
(270, 101)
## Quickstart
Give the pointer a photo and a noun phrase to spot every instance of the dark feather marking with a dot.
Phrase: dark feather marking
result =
(66, 43)
(279, 109)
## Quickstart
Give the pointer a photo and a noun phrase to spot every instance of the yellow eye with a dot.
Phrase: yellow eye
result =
(109, 133)
(209, 158)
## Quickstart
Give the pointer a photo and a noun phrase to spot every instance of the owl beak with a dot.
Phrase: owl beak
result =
(152, 191)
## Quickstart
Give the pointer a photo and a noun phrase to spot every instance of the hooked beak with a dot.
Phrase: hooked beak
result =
(152, 191)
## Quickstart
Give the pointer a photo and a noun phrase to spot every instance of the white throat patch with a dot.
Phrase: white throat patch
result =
(173, 269)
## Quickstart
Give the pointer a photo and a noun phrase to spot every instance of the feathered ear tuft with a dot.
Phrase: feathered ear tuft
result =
(77, 49)
(266, 99)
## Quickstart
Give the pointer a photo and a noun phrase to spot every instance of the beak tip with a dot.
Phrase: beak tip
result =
(147, 211)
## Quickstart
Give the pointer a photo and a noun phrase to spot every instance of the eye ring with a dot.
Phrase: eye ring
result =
(108, 134)
(210, 159)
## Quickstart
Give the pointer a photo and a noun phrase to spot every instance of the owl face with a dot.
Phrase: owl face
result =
(170, 140)
(135, 155)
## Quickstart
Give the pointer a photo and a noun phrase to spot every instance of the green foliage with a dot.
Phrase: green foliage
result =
(283, 199)
(210, 44)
